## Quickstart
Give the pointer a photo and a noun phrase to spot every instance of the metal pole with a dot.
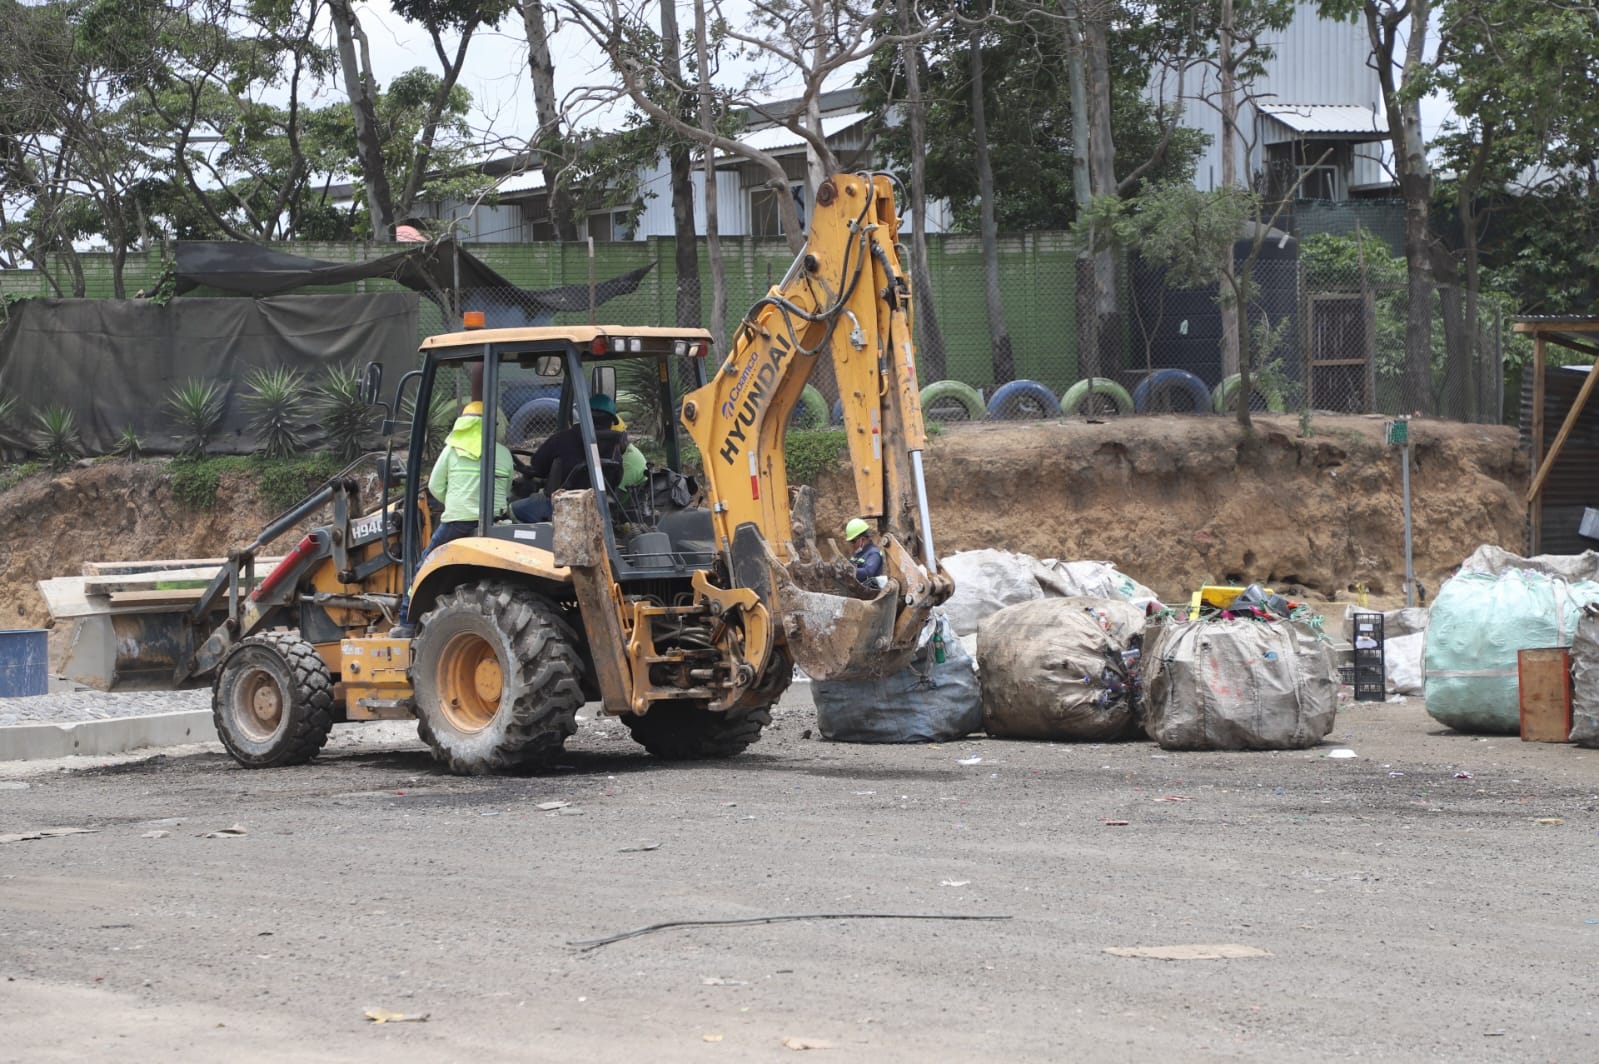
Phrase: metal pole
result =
(591, 281)
(1410, 572)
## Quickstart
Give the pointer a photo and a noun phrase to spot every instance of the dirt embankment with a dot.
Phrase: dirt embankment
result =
(1174, 502)
(1177, 502)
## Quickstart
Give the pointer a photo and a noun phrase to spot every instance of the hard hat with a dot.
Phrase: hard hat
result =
(472, 409)
(601, 403)
(856, 529)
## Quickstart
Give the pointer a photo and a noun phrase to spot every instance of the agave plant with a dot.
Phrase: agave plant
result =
(346, 417)
(56, 436)
(129, 445)
(9, 408)
(441, 416)
(276, 404)
(198, 407)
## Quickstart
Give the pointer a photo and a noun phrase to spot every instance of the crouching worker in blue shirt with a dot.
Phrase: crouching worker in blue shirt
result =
(866, 556)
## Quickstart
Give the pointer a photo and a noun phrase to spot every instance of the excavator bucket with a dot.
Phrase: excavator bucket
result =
(123, 623)
(834, 636)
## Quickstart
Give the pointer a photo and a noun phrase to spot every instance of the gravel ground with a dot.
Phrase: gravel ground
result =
(1430, 899)
(70, 707)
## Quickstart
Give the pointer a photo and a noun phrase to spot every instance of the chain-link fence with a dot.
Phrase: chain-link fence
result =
(1072, 341)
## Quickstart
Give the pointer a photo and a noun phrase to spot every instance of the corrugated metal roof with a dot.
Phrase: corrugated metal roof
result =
(526, 181)
(777, 138)
(1326, 119)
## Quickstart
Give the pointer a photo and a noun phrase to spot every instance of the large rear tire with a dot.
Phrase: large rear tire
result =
(497, 679)
(687, 731)
(272, 701)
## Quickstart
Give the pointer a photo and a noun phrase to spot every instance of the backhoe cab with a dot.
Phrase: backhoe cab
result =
(680, 603)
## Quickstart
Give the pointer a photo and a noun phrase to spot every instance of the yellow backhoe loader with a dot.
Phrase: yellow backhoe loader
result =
(681, 607)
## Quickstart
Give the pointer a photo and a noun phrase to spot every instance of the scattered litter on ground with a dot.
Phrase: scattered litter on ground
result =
(858, 793)
(1494, 1034)
(1114, 823)
(45, 833)
(716, 980)
(13, 785)
(1395, 775)
(1549, 821)
(710, 1036)
(806, 1043)
(970, 761)
(1173, 798)
(1464, 776)
(1222, 951)
(750, 921)
(954, 882)
(1342, 753)
(552, 806)
(569, 811)
(226, 833)
(156, 834)
(646, 848)
(386, 1016)
(492, 813)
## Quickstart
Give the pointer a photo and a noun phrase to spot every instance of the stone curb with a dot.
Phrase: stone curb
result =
(32, 742)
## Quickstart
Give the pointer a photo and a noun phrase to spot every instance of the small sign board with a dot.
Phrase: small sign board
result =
(1396, 433)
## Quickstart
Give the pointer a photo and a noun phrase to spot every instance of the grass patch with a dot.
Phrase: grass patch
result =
(195, 480)
(12, 475)
(811, 452)
(282, 482)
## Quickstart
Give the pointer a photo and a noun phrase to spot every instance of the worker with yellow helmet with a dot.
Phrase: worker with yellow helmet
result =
(866, 556)
(455, 481)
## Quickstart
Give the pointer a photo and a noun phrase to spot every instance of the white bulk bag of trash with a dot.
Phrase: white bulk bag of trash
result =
(1061, 668)
(1238, 685)
(987, 581)
(1090, 580)
(1585, 678)
(1497, 605)
(928, 701)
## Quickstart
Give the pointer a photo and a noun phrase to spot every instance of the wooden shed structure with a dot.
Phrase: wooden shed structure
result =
(1565, 461)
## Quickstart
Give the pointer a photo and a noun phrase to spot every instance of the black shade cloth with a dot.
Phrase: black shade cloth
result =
(114, 363)
(432, 268)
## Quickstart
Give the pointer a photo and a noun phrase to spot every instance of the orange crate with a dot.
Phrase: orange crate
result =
(1544, 675)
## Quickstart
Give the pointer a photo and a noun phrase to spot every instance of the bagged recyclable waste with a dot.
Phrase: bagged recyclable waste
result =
(1585, 678)
(1238, 685)
(927, 701)
(1496, 605)
(986, 581)
(1091, 580)
(1404, 641)
(1062, 668)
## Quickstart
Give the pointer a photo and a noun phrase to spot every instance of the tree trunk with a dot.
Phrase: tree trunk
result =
(1102, 175)
(1473, 367)
(360, 87)
(1231, 340)
(551, 144)
(687, 250)
(713, 237)
(1415, 184)
(1004, 358)
(931, 356)
(1083, 278)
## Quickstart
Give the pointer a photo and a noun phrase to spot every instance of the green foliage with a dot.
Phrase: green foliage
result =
(276, 404)
(11, 476)
(197, 405)
(1027, 108)
(195, 478)
(55, 436)
(1190, 233)
(808, 453)
(283, 482)
(346, 418)
(129, 446)
(1346, 263)
(10, 415)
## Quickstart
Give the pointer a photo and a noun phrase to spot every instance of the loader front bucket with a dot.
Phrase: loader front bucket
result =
(123, 625)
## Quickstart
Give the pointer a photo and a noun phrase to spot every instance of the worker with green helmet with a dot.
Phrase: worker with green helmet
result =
(866, 556)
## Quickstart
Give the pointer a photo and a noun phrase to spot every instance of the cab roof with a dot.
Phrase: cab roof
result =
(545, 334)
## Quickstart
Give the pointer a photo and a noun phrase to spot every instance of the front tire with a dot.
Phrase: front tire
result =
(497, 680)
(272, 701)
(687, 731)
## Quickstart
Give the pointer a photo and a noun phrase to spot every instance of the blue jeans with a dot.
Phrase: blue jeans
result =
(446, 531)
(533, 509)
